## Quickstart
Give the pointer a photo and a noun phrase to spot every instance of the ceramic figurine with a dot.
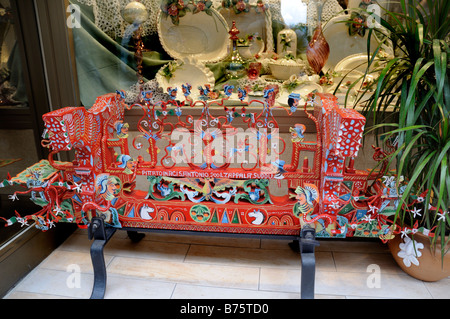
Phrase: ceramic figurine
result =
(293, 100)
(318, 50)
(235, 64)
(287, 43)
(186, 89)
(228, 90)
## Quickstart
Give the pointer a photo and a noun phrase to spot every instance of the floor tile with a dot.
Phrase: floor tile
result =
(439, 289)
(289, 280)
(202, 240)
(183, 291)
(351, 245)
(77, 242)
(172, 265)
(243, 256)
(185, 272)
(282, 280)
(146, 249)
(119, 287)
(324, 296)
(325, 261)
(58, 283)
(361, 262)
(47, 283)
(275, 244)
(33, 296)
(69, 260)
(361, 284)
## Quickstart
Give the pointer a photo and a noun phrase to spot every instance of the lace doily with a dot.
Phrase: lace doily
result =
(247, 82)
(331, 9)
(108, 17)
(132, 94)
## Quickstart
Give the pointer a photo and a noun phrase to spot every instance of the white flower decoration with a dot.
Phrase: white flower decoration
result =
(409, 251)
(416, 212)
(442, 216)
(372, 209)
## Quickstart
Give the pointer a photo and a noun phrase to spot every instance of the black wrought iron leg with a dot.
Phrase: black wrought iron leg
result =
(307, 245)
(135, 236)
(101, 236)
(98, 263)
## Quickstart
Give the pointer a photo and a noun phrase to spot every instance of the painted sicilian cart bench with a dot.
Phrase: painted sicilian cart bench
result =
(208, 174)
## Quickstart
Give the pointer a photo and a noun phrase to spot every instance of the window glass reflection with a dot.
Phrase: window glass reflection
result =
(12, 87)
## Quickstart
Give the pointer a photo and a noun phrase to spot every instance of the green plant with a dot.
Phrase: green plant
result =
(410, 104)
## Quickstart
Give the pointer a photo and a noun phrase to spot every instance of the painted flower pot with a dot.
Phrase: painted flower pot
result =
(416, 258)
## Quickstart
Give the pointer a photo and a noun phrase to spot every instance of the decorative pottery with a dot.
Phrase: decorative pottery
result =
(254, 48)
(303, 89)
(254, 69)
(200, 36)
(287, 42)
(343, 45)
(416, 258)
(186, 71)
(356, 62)
(282, 69)
(135, 13)
(252, 22)
(318, 50)
(235, 68)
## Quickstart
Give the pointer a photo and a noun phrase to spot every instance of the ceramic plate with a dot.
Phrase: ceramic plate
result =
(342, 44)
(304, 89)
(200, 36)
(356, 62)
(188, 71)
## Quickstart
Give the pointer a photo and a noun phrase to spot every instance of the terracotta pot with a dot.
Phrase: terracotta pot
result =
(426, 265)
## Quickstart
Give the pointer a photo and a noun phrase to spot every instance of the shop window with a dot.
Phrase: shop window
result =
(174, 42)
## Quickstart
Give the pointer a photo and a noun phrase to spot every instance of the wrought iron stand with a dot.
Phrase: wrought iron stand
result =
(97, 230)
(101, 236)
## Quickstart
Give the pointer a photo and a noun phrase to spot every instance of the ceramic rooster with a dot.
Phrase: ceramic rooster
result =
(318, 49)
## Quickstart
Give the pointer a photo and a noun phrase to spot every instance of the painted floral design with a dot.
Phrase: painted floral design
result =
(409, 251)
(175, 9)
(260, 6)
(203, 5)
(237, 5)
(358, 19)
(357, 24)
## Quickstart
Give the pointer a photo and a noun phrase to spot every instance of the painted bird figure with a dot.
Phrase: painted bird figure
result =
(165, 191)
(254, 196)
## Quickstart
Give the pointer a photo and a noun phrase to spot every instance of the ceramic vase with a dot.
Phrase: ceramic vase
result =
(416, 257)
(318, 50)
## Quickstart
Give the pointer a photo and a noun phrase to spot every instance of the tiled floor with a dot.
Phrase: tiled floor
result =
(177, 266)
